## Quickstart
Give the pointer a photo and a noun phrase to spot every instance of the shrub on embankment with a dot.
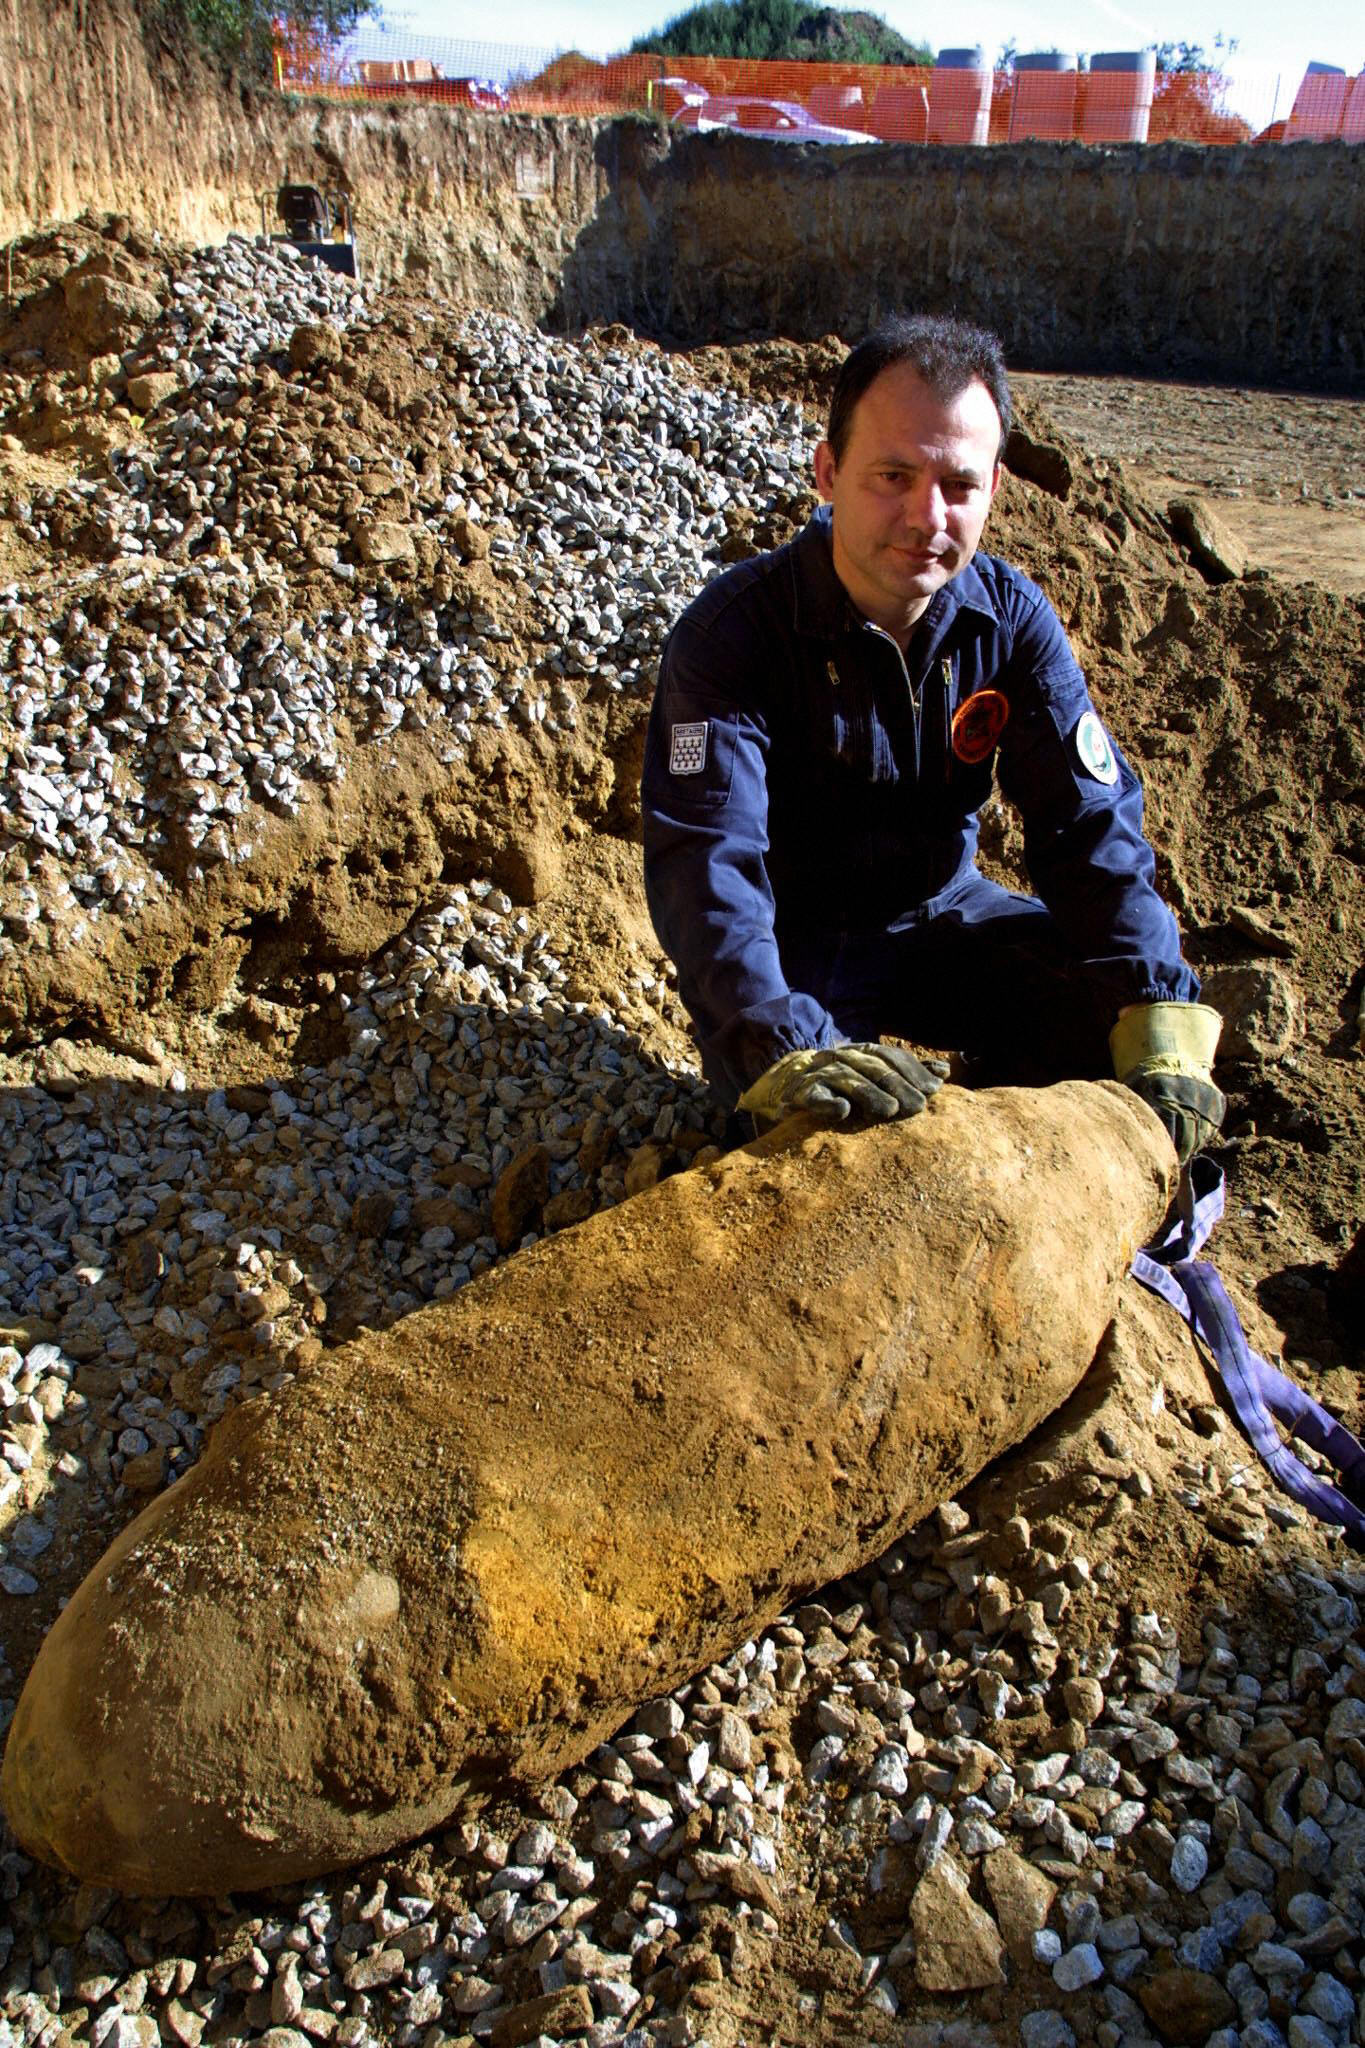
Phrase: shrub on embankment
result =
(240, 34)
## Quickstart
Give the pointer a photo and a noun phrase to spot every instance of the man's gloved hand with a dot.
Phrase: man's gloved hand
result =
(1164, 1053)
(878, 1082)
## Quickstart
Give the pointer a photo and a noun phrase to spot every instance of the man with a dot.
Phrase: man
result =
(824, 732)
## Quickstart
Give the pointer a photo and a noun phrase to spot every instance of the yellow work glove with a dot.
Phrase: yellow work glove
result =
(878, 1082)
(1164, 1053)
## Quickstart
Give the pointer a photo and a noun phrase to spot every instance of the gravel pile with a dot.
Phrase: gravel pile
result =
(200, 1239)
(154, 711)
(979, 1770)
(1181, 1857)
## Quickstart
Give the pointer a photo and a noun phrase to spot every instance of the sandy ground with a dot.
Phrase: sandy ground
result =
(1288, 469)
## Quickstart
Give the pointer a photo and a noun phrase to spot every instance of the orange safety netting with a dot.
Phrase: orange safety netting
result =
(823, 102)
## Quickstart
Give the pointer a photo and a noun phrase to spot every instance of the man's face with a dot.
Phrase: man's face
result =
(911, 494)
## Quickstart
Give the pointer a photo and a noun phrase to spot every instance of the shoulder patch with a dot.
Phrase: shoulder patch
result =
(687, 748)
(1093, 750)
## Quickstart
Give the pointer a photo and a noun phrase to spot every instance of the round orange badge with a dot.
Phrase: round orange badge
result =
(978, 724)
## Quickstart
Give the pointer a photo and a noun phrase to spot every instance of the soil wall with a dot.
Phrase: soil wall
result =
(1239, 263)
(1175, 260)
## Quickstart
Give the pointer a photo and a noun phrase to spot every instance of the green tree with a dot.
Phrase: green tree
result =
(1175, 57)
(241, 33)
(785, 29)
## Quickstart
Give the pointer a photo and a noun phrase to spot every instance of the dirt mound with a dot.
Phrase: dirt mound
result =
(78, 293)
(773, 370)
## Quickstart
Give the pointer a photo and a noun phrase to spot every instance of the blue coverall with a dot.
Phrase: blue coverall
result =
(810, 824)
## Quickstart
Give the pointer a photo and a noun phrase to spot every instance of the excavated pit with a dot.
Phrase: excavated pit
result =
(324, 1042)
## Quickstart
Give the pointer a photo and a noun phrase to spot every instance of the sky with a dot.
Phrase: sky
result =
(1273, 39)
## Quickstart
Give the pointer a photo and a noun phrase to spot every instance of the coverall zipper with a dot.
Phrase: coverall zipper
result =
(914, 692)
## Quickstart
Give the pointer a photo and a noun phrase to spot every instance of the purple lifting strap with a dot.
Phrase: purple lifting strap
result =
(1258, 1392)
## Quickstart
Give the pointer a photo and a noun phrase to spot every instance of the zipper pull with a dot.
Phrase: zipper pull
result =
(945, 669)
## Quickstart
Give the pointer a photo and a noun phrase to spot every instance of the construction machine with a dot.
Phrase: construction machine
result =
(317, 224)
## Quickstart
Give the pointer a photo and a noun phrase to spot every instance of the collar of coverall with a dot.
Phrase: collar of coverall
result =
(822, 607)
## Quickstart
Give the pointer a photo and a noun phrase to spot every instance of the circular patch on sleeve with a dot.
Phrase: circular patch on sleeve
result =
(978, 723)
(1094, 752)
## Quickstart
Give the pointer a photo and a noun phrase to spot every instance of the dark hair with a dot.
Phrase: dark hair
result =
(948, 353)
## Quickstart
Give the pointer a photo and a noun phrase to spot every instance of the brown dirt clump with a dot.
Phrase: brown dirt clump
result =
(803, 371)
